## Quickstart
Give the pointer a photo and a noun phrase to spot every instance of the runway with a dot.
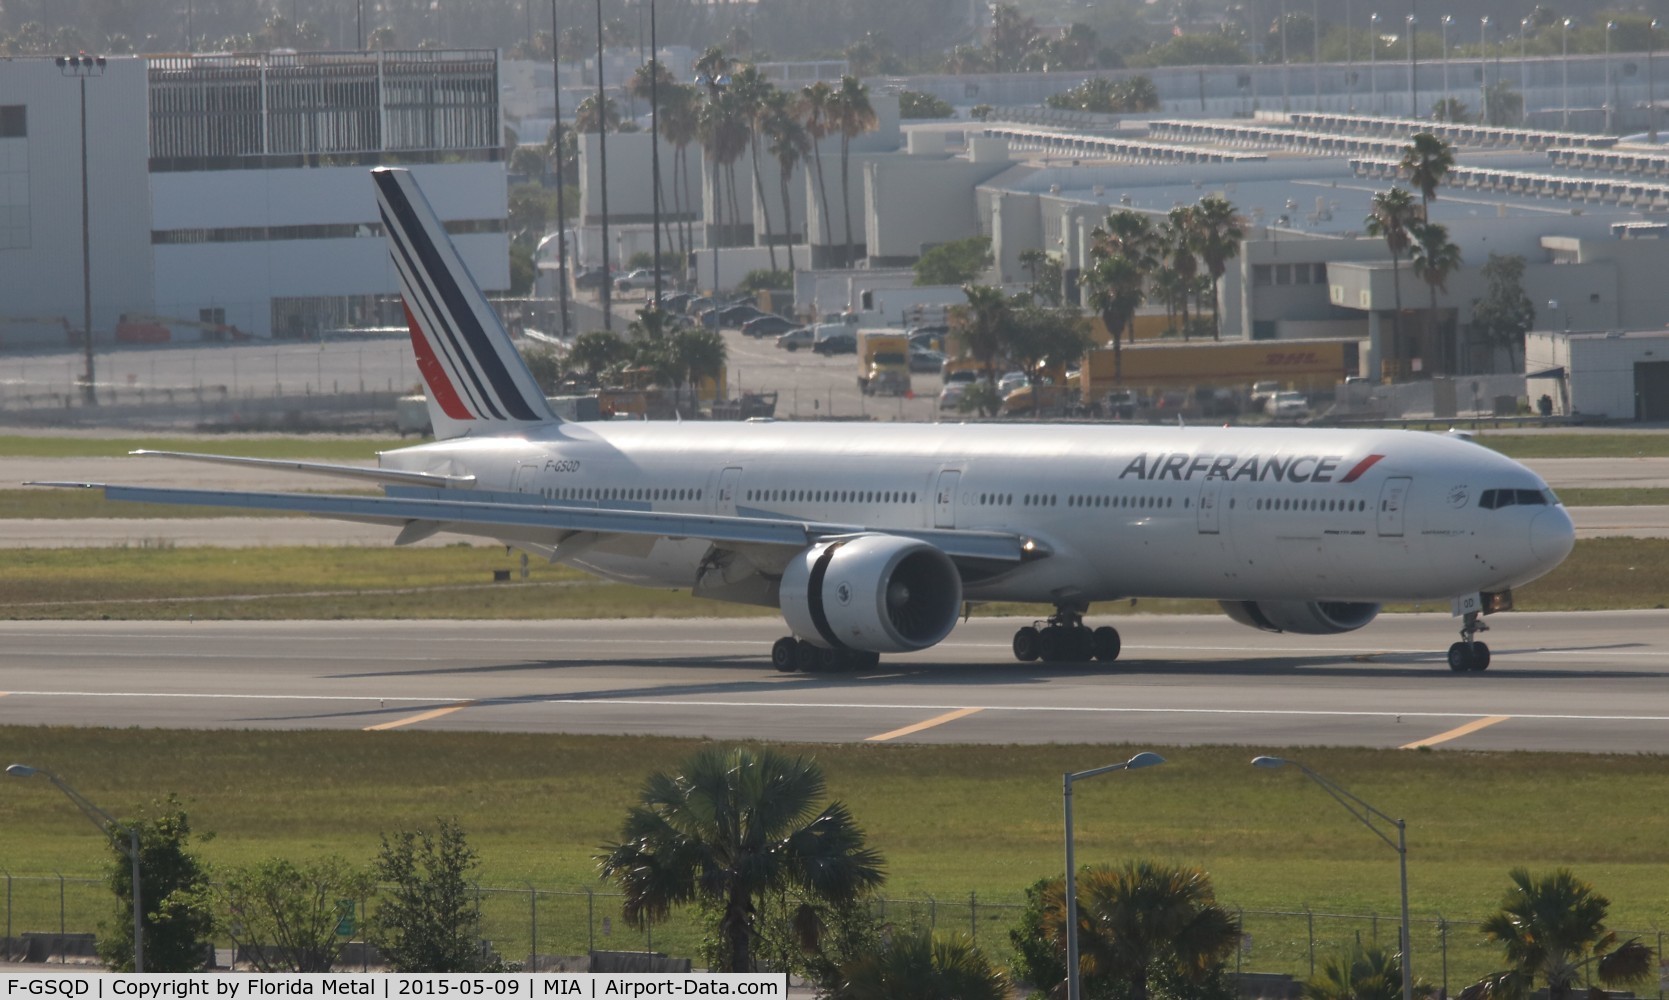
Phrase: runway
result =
(1584, 682)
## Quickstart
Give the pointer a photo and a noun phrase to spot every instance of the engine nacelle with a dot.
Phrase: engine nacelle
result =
(877, 593)
(1302, 617)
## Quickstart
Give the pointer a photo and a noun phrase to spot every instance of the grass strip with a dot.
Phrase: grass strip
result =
(954, 822)
(1555, 445)
(328, 582)
(323, 447)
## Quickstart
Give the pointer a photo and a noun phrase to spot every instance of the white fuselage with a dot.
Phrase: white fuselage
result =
(1220, 513)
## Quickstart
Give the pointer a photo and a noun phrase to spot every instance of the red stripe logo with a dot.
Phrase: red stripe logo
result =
(429, 366)
(1361, 467)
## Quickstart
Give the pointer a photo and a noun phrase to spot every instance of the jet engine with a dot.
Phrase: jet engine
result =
(877, 593)
(1302, 617)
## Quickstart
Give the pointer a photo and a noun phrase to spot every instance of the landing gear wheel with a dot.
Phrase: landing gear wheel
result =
(1480, 657)
(1468, 657)
(785, 654)
(1106, 643)
(1028, 644)
(810, 657)
(862, 660)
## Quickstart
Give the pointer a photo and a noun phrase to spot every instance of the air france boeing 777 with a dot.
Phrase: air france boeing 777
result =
(873, 539)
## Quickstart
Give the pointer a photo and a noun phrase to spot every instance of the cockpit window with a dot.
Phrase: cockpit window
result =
(1496, 499)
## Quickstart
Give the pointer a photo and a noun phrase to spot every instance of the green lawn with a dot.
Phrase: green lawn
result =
(954, 822)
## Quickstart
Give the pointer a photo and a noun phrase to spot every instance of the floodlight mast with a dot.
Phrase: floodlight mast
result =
(109, 824)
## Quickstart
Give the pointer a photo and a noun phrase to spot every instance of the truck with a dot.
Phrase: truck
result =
(883, 363)
(1294, 364)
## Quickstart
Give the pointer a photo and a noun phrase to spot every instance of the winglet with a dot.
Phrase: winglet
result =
(478, 383)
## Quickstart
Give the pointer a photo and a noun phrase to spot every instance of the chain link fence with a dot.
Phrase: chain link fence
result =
(546, 927)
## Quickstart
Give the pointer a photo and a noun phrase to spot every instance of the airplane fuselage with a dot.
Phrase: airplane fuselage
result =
(1219, 513)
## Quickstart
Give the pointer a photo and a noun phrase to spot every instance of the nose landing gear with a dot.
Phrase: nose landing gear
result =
(1467, 655)
(1064, 638)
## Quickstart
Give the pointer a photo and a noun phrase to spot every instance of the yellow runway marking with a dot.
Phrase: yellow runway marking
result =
(419, 717)
(1459, 731)
(937, 720)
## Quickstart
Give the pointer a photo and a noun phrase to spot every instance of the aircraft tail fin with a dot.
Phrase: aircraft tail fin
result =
(478, 383)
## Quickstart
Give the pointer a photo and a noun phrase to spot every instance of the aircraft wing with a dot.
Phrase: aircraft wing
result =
(393, 477)
(420, 513)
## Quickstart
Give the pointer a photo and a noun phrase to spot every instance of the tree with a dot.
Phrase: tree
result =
(1038, 337)
(698, 353)
(1123, 250)
(913, 104)
(1434, 258)
(1045, 273)
(1451, 109)
(1553, 928)
(680, 125)
(586, 118)
(177, 922)
(921, 965)
(1505, 313)
(728, 829)
(789, 143)
(752, 93)
(1503, 105)
(1145, 922)
(284, 916)
(817, 105)
(954, 263)
(1392, 219)
(981, 326)
(1217, 234)
(853, 116)
(428, 919)
(1424, 162)
(1178, 234)
(1362, 973)
(596, 352)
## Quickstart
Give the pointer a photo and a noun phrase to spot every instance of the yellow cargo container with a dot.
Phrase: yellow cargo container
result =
(1296, 364)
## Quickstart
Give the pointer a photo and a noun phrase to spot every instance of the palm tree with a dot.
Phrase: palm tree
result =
(853, 115)
(1424, 162)
(1553, 927)
(652, 85)
(1123, 251)
(1391, 218)
(789, 144)
(597, 352)
(817, 108)
(1145, 919)
(982, 325)
(699, 353)
(1362, 973)
(586, 118)
(1434, 259)
(1178, 236)
(921, 965)
(680, 121)
(729, 828)
(1218, 234)
(752, 93)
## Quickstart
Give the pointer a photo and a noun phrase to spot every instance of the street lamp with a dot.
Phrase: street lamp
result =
(1651, 84)
(1447, 20)
(1413, 72)
(1524, 73)
(1373, 60)
(602, 172)
(1610, 93)
(655, 145)
(561, 181)
(81, 66)
(1074, 989)
(1366, 814)
(1315, 50)
(1286, 65)
(106, 822)
(1483, 69)
(1564, 85)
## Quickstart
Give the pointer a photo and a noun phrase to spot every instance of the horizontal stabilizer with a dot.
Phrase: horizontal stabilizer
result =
(396, 477)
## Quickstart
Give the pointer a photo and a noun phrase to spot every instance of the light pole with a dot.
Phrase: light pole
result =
(1146, 758)
(106, 822)
(1373, 60)
(1610, 93)
(1524, 73)
(655, 144)
(602, 173)
(1315, 50)
(81, 66)
(1444, 45)
(1564, 84)
(1286, 64)
(1349, 63)
(1367, 814)
(1483, 70)
(561, 181)
(1651, 84)
(1413, 71)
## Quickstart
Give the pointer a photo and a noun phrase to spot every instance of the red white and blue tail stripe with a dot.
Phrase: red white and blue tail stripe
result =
(477, 382)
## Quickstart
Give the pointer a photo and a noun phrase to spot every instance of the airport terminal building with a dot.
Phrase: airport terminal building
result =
(231, 190)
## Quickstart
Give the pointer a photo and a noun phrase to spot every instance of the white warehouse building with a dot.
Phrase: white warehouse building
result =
(233, 189)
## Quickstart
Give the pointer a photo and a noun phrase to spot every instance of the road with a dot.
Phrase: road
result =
(1581, 682)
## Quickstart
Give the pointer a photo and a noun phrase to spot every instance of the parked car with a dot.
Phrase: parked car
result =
(838, 342)
(643, 277)
(734, 315)
(1010, 382)
(768, 326)
(924, 360)
(674, 302)
(1258, 398)
(592, 278)
(956, 386)
(931, 337)
(1287, 406)
(1120, 404)
(793, 340)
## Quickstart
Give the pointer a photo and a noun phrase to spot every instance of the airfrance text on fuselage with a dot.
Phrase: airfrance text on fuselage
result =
(1255, 468)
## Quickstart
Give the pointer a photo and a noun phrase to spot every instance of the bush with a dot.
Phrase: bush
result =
(765, 278)
(913, 104)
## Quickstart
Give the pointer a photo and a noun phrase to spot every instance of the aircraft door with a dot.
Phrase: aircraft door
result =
(522, 480)
(944, 498)
(1393, 498)
(724, 498)
(1211, 493)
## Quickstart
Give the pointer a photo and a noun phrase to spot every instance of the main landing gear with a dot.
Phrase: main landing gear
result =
(1064, 638)
(1468, 656)
(790, 654)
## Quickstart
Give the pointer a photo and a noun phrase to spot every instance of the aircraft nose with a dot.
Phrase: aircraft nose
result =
(1552, 536)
